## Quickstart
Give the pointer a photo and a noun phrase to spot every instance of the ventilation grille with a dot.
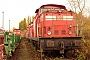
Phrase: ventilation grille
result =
(63, 32)
(55, 32)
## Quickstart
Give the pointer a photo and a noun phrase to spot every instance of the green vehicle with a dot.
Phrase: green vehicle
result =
(10, 41)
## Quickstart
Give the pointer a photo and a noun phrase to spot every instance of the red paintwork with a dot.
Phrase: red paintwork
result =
(58, 25)
(17, 32)
(32, 27)
(30, 31)
(55, 24)
(2, 50)
(1, 46)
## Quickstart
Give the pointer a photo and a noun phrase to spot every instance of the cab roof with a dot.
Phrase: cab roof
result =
(55, 5)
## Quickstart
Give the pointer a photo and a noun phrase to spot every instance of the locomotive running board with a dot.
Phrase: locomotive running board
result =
(79, 37)
(59, 39)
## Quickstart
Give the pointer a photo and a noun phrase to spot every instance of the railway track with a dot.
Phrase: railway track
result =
(26, 51)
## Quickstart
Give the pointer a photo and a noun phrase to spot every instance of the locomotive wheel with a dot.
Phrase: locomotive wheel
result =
(70, 53)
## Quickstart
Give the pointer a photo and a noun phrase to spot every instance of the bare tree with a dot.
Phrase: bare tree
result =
(81, 4)
(73, 5)
(78, 6)
(87, 12)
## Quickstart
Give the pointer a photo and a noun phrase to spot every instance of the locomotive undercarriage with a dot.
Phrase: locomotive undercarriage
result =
(65, 43)
(61, 45)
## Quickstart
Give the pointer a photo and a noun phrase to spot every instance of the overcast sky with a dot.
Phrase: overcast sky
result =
(17, 10)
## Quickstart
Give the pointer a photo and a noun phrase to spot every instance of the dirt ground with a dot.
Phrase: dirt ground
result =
(24, 51)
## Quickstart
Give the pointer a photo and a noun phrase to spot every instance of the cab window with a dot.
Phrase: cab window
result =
(44, 9)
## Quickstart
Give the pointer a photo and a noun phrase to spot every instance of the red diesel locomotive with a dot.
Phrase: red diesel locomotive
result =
(54, 29)
(17, 32)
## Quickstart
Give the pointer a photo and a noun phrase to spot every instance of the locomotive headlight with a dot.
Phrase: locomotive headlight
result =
(49, 32)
